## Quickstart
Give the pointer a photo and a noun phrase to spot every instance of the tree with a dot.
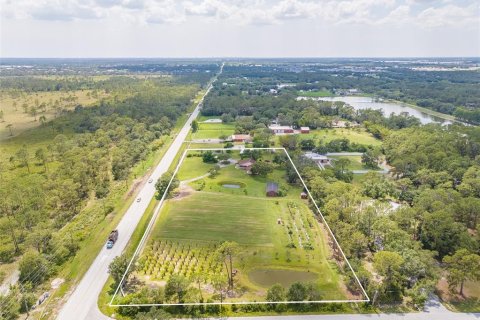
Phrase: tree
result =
(194, 126)
(162, 184)
(276, 293)
(41, 156)
(34, 268)
(10, 306)
(289, 142)
(117, 268)
(33, 112)
(154, 313)
(177, 286)
(462, 265)
(370, 158)
(23, 156)
(261, 168)
(226, 253)
(388, 264)
(297, 292)
(198, 277)
(209, 157)
(42, 119)
(9, 127)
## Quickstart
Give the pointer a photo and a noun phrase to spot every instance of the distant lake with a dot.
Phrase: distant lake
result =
(387, 107)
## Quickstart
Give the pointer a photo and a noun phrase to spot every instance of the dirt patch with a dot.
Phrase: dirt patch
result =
(183, 191)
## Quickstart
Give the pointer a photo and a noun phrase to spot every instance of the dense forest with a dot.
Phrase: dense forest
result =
(67, 175)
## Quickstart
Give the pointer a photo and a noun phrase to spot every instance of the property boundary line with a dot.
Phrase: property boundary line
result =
(157, 212)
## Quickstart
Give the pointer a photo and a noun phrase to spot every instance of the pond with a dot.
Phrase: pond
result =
(285, 277)
(231, 186)
(387, 107)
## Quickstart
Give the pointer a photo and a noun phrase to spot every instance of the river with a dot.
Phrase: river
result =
(387, 107)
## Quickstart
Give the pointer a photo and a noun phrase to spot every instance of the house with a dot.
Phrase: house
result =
(304, 130)
(320, 159)
(241, 138)
(272, 189)
(245, 164)
(303, 195)
(280, 129)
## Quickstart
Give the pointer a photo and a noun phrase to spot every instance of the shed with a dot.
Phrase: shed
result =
(272, 189)
(245, 164)
(304, 130)
(303, 195)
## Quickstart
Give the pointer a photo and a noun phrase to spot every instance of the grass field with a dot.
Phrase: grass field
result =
(357, 135)
(355, 162)
(14, 114)
(213, 130)
(280, 240)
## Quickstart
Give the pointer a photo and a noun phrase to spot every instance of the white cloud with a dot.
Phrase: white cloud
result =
(434, 14)
(449, 15)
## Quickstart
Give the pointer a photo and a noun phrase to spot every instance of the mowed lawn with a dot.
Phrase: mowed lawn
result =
(355, 162)
(213, 130)
(205, 216)
(357, 135)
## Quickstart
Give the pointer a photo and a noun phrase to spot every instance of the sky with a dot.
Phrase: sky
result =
(239, 28)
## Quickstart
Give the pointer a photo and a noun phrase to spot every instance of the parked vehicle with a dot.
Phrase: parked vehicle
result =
(150, 181)
(112, 238)
(139, 199)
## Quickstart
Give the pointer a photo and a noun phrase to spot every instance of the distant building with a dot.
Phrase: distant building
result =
(272, 189)
(276, 129)
(304, 195)
(318, 158)
(245, 164)
(213, 121)
(304, 130)
(241, 138)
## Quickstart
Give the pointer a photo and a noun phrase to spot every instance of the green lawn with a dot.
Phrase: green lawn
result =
(355, 162)
(357, 135)
(213, 130)
(193, 167)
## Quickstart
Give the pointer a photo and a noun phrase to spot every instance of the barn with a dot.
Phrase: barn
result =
(272, 189)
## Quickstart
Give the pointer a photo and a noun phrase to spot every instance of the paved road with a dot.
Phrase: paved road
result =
(434, 310)
(82, 304)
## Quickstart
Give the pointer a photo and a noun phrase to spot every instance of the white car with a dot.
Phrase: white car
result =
(150, 181)
(139, 199)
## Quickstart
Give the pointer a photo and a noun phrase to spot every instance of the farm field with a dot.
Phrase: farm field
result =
(213, 130)
(279, 238)
(356, 135)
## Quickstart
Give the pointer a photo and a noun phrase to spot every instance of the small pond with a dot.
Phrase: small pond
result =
(285, 277)
(231, 186)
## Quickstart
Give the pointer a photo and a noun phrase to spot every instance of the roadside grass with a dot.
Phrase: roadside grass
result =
(357, 135)
(470, 302)
(22, 121)
(107, 291)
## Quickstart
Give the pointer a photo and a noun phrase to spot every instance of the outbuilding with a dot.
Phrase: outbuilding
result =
(272, 189)
(304, 130)
(241, 138)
